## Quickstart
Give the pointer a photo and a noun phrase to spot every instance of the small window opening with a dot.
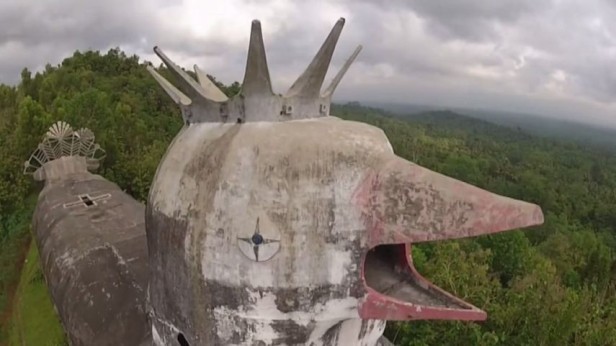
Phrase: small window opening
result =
(182, 340)
(87, 201)
(286, 110)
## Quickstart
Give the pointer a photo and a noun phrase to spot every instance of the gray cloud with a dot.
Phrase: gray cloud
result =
(539, 51)
(72, 22)
(32, 34)
(474, 20)
(545, 56)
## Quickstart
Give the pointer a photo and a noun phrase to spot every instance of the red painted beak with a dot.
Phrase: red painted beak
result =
(404, 203)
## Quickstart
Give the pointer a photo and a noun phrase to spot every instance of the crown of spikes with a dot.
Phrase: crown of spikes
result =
(61, 140)
(202, 101)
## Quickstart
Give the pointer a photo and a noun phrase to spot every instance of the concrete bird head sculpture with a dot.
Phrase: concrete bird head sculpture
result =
(270, 222)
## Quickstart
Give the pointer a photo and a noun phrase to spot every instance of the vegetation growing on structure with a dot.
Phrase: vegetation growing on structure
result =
(554, 284)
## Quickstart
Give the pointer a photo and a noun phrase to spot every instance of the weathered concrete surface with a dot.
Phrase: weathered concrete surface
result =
(326, 193)
(271, 223)
(94, 257)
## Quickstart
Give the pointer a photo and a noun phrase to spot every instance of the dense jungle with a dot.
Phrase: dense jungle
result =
(549, 285)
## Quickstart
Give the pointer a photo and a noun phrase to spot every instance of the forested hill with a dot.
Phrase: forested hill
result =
(550, 285)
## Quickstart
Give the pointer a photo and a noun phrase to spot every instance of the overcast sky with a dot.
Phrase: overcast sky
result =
(553, 57)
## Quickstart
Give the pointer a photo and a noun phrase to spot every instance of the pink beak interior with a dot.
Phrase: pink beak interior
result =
(403, 204)
(396, 291)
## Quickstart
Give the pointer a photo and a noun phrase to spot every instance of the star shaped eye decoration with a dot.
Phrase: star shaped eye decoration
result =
(259, 247)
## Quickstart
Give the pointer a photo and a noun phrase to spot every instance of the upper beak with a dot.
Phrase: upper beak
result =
(404, 203)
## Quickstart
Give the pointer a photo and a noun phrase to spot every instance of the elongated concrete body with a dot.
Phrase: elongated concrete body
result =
(93, 251)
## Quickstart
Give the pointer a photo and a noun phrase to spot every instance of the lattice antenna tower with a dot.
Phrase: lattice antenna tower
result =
(61, 140)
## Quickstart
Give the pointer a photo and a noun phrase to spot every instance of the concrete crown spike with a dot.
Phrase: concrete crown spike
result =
(334, 83)
(257, 77)
(212, 91)
(309, 83)
(190, 86)
(176, 95)
(256, 100)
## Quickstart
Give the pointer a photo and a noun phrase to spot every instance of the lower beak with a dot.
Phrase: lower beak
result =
(402, 204)
(396, 291)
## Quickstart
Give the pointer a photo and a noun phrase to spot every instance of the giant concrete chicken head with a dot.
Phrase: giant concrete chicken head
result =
(270, 222)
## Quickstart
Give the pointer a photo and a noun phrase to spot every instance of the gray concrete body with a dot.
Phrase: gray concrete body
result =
(323, 193)
(94, 258)
(213, 184)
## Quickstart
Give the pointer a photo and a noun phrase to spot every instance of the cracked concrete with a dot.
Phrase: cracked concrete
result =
(94, 258)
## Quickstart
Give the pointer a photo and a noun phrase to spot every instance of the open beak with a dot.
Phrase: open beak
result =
(404, 203)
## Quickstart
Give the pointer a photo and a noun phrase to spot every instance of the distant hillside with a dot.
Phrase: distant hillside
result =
(544, 126)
